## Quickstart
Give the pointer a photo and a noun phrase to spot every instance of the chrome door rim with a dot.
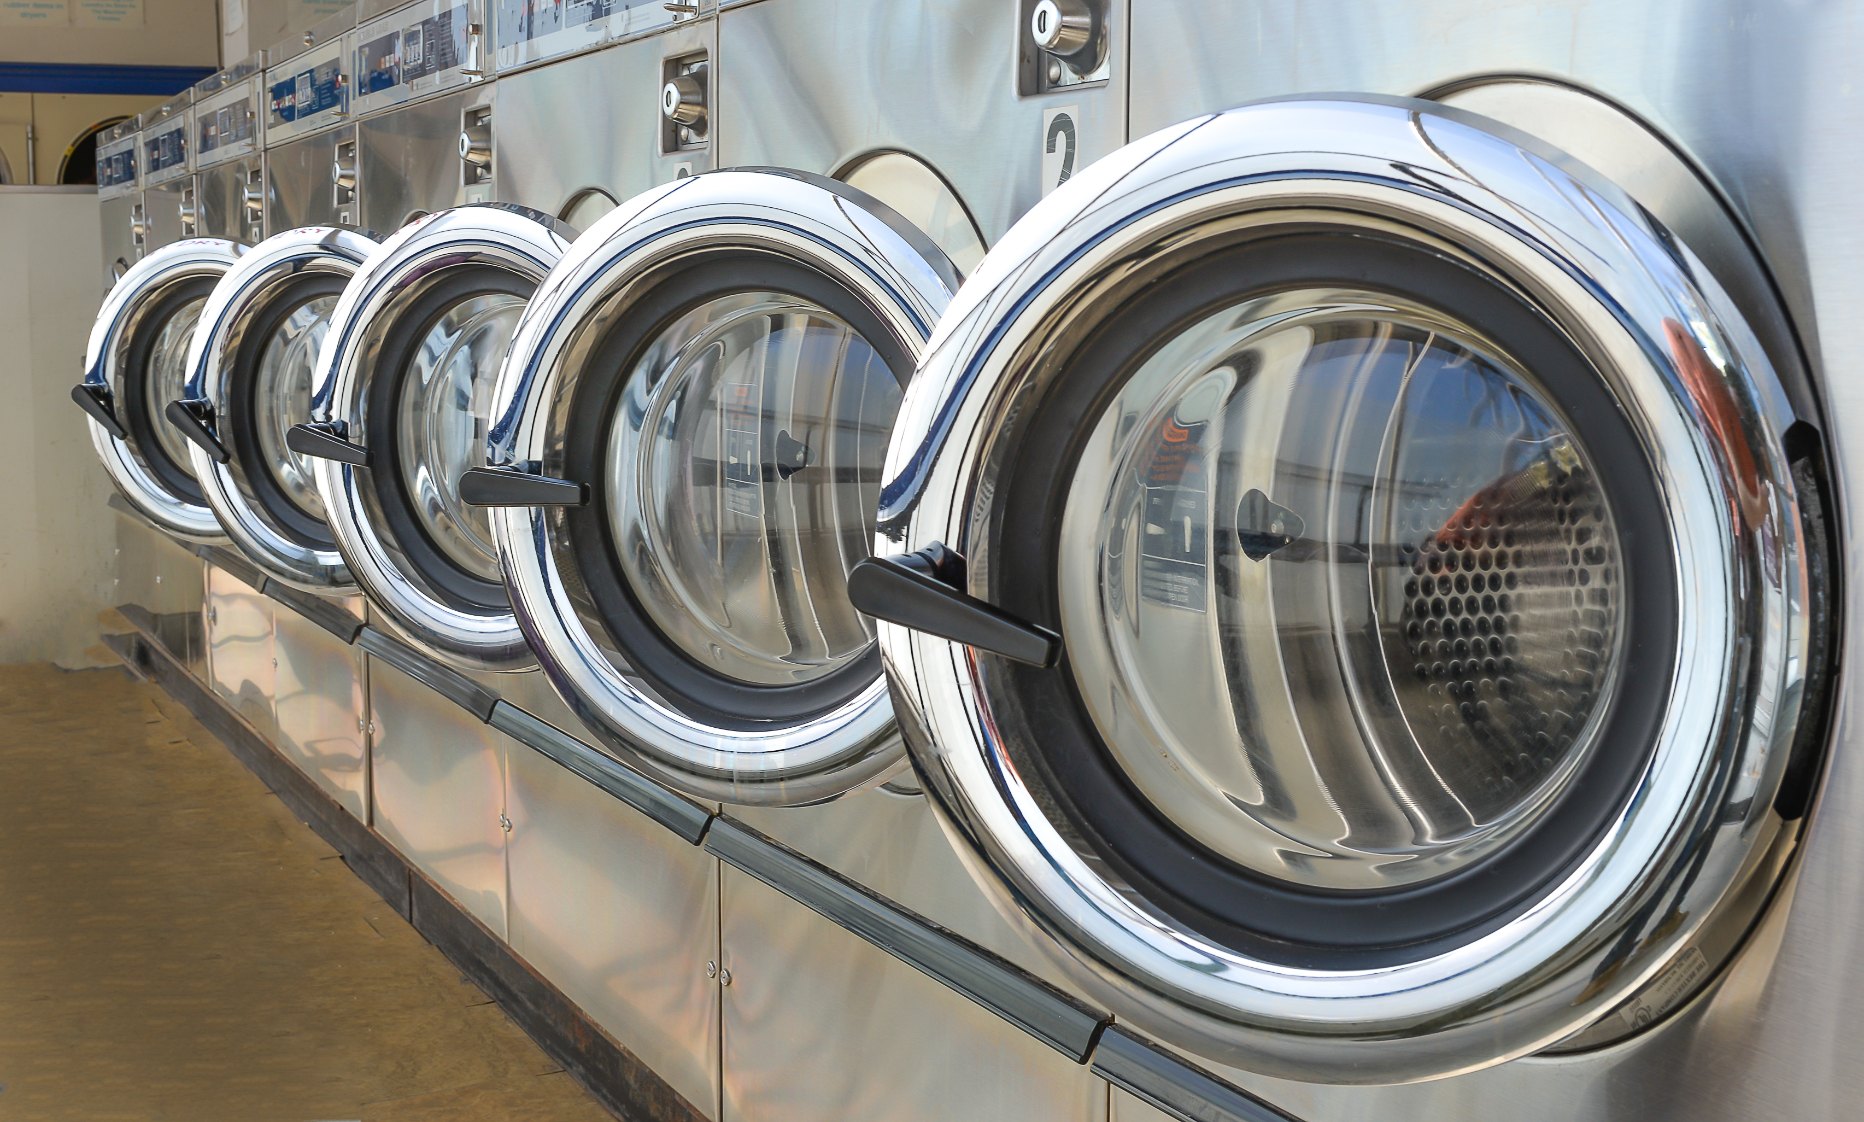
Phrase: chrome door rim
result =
(243, 294)
(511, 240)
(1575, 245)
(103, 363)
(896, 273)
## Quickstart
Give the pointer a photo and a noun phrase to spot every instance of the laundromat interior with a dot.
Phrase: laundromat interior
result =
(1025, 560)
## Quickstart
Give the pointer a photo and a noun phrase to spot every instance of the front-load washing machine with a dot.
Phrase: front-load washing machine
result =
(250, 367)
(1361, 575)
(168, 171)
(135, 364)
(310, 141)
(228, 158)
(119, 195)
(717, 650)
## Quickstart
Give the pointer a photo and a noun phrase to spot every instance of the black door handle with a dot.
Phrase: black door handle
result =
(194, 416)
(95, 400)
(326, 440)
(924, 591)
(512, 486)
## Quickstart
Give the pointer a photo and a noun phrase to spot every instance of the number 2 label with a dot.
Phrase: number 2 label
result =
(1060, 141)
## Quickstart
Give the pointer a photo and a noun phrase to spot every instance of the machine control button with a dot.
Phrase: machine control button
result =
(1062, 27)
(476, 144)
(682, 99)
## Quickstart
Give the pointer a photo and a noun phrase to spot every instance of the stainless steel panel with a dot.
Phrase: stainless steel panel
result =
(818, 84)
(591, 123)
(398, 58)
(321, 698)
(819, 1024)
(1124, 1107)
(297, 182)
(159, 574)
(162, 205)
(119, 240)
(240, 664)
(437, 790)
(221, 199)
(619, 914)
(408, 161)
(1754, 96)
(892, 845)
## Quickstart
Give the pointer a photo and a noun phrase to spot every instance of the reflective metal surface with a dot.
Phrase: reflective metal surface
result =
(437, 779)
(607, 105)
(1700, 828)
(298, 191)
(241, 665)
(823, 86)
(408, 161)
(250, 492)
(501, 245)
(152, 286)
(321, 693)
(819, 1024)
(223, 208)
(619, 914)
(167, 579)
(890, 270)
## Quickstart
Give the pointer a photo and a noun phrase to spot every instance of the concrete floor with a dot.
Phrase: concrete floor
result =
(174, 945)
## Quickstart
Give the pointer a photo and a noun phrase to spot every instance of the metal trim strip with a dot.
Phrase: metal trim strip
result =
(233, 565)
(443, 680)
(677, 813)
(1020, 998)
(1175, 1085)
(317, 610)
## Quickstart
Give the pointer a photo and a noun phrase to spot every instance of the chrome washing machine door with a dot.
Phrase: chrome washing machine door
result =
(252, 363)
(400, 410)
(1356, 581)
(136, 363)
(688, 448)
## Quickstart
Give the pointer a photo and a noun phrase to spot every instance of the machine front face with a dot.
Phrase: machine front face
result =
(1317, 604)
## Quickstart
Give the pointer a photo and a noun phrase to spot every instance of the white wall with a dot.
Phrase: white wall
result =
(153, 33)
(56, 535)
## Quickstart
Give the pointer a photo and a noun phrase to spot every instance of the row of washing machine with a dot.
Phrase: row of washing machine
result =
(1357, 577)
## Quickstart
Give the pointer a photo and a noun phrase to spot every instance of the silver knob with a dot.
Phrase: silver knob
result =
(683, 99)
(1062, 27)
(476, 144)
(343, 173)
(310, 37)
(187, 210)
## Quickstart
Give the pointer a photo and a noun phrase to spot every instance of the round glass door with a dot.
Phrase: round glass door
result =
(1315, 600)
(716, 390)
(402, 406)
(136, 364)
(251, 370)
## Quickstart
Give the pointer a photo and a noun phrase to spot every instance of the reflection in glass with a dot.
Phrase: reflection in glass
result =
(1340, 589)
(441, 423)
(282, 397)
(744, 468)
(167, 379)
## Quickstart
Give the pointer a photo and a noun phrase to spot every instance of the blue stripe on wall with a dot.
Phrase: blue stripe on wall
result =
(71, 78)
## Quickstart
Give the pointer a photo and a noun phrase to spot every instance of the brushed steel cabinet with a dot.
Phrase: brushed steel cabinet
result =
(240, 663)
(162, 205)
(298, 188)
(620, 915)
(438, 790)
(119, 237)
(819, 1024)
(221, 202)
(165, 579)
(321, 698)
(592, 123)
(408, 161)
